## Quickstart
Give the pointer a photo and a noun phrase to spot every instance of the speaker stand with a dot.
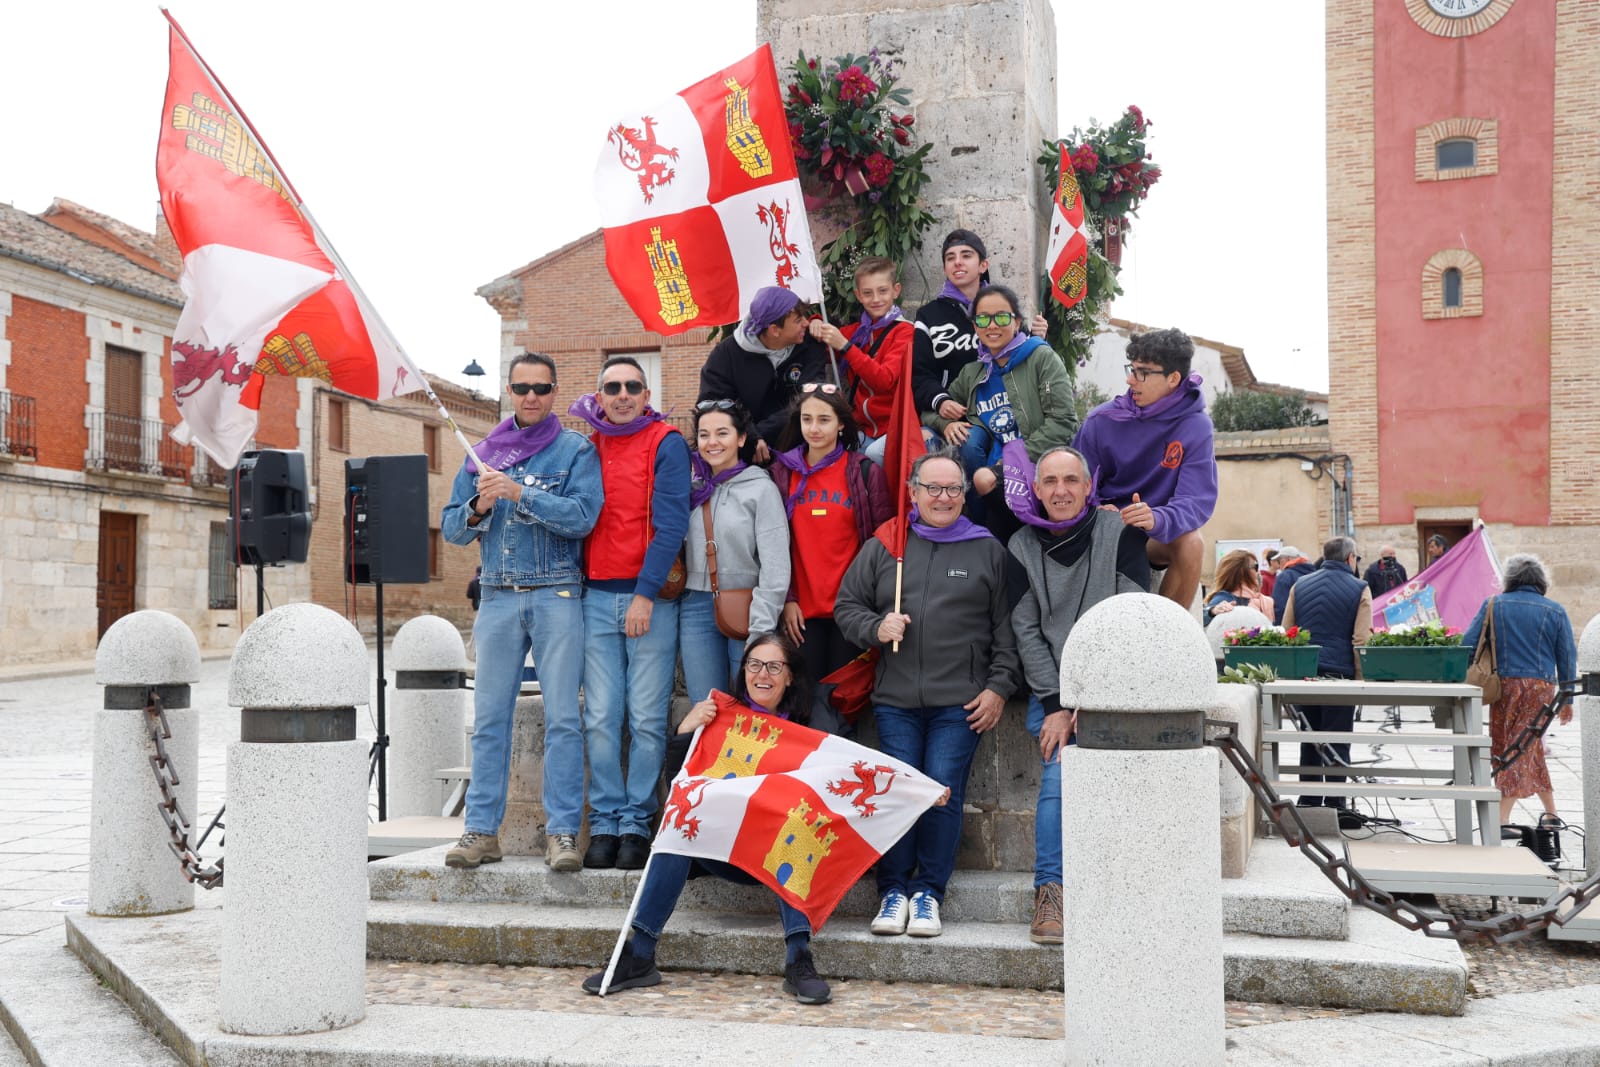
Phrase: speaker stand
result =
(380, 744)
(261, 590)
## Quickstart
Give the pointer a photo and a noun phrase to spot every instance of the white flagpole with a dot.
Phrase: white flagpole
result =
(322, 238)
(627, 924)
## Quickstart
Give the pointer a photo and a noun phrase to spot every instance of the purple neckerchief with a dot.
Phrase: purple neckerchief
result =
(509, 444)
(955, 294)
(704, 483)
(795, 460)
(987, 358)
(963, 529)
(1018, 472)
(1123, 409)
(587, 408)
(759, 710)
(862, 338)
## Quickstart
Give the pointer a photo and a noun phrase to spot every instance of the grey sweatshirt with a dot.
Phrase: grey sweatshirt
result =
(752, 535)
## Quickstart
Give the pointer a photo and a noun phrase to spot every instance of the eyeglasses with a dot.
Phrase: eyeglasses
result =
(715, 405)
(536, 388)
(756, 666)
(634, 387)
(1141, 373)
(820, 387)
(999, 318)
(937, 491)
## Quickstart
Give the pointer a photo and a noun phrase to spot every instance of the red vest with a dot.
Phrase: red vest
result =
(616, 546)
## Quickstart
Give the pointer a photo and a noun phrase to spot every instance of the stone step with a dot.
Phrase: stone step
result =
(1385, 967)
(1282, 895)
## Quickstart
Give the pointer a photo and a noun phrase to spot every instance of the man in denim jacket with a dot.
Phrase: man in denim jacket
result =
(530, 509)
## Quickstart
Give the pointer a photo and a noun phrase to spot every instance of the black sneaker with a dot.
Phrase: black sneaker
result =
(633, 972)
(633, 852)
(602, 851)
(801, 981)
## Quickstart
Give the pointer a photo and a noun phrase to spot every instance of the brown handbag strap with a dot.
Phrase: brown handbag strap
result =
(1488, 628)
(711, 545)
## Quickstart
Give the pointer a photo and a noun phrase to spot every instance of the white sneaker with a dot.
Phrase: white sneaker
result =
(892, 914)
(924, 916)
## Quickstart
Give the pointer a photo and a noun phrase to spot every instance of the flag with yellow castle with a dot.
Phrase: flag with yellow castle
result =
(803, 811)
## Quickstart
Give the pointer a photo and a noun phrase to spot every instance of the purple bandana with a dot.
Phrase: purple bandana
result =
(869, 326)
(587, 408)
(1018, 472)
(795, 460)
(1123, 409)
(987, 358)
(963, 529)
(704, 482)
(509, 444)
(955, 294)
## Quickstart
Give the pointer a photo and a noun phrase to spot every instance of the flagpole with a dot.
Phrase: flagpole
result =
(322, 238)
(899, 575)
(627, 923)
(832, 356)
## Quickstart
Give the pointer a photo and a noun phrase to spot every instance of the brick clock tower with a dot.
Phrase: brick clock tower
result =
(1463, 231)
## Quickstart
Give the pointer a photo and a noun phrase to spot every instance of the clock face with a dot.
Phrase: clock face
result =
(1458, 9)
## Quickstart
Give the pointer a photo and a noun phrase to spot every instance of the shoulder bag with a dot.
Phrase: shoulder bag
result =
(730, 606)
(1482, 672)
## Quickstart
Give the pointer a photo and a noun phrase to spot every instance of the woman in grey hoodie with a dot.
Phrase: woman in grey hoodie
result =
(752, 538)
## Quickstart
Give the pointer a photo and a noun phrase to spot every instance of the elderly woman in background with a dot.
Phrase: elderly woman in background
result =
(1238, 582)
(1533, 652)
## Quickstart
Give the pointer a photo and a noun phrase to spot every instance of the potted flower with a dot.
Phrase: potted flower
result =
(1421, 652)
(1287, 651)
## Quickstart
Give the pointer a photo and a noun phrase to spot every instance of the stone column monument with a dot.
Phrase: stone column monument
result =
(982, 78)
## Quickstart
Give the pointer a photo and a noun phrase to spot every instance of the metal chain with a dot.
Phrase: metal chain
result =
(1533, 729)
(178, 824)
(1500, 930)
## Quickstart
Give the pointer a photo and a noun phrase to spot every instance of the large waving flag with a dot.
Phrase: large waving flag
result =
(265, 292)
(1450, 591)
(701, 201)
(1067, 257)
(803, 811)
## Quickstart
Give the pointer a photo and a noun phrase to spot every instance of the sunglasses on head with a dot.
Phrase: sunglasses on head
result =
(536, 388)
(999, 318)
(634, 387)
(823, 387)
(715, 405)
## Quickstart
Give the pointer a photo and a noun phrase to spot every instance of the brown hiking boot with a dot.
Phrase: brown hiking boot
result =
(1046, 928)
(473, 849)
(561, 853)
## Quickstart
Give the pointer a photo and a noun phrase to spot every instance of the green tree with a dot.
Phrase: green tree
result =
(1247, 410)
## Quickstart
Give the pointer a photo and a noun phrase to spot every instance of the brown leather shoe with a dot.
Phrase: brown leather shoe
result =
(1046, 928)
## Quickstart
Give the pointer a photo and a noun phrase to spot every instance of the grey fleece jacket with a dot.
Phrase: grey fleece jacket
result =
(959, 641)
(752, 535)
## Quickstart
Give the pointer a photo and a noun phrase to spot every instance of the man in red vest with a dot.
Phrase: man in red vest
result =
(630, 634)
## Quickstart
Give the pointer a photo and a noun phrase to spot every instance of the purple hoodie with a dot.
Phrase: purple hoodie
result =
(1162, 452)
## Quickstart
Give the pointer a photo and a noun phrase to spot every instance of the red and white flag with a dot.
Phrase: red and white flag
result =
(1067, 256)
(801, 810)
(701, 204)
(262, 287)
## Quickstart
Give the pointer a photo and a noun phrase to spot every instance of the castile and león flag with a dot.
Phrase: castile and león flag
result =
(1067, 256)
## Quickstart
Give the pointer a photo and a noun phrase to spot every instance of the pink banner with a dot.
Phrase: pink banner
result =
(1450, 591)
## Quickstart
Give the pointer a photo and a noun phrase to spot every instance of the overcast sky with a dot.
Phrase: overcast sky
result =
(441, 146)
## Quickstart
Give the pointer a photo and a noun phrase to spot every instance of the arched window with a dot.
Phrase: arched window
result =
(1456, 153)
(1450, 282)
(1459, 147)
(1452, 285)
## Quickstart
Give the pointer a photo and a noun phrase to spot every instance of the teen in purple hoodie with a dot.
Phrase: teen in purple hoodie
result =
(1151, 452)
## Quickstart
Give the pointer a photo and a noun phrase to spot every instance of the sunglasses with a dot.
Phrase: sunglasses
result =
(715, 405)
(999, 318)
(822, 387)
(536, 388)
(634, 388)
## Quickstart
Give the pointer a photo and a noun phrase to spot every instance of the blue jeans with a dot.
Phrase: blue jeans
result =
(940, 743)
(1047, 814)
(665, 880)
(710, 660)
(549, 620)
(627, 684)
(974, 451)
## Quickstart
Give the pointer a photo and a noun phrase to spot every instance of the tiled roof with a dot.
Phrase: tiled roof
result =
(136, 239)
(1309, 439)
(30, 239)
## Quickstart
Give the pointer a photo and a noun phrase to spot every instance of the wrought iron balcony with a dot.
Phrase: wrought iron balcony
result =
(18, 426)
(208, 472)
(137, 446)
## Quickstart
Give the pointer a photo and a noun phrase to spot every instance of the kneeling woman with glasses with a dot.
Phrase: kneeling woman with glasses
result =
(834, 498)
(772, 681)
(736, 509)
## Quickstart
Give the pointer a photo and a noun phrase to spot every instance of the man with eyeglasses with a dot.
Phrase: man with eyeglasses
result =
(529, 509)
(1152, 454)
(764, 363)
(947, 683)
(630, 632)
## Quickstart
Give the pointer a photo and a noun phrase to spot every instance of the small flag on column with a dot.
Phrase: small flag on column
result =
(1067, 257)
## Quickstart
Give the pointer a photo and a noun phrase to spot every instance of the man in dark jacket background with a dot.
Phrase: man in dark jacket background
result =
(1386, 574)
(1292, 565)
(764, 364)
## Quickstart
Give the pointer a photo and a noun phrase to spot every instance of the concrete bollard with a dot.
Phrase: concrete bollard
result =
(132, 869)
(1143, 929)
(1587, 708)
(294, 931)
(427, 714)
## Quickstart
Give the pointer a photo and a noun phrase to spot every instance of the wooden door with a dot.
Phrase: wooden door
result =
(119, 551)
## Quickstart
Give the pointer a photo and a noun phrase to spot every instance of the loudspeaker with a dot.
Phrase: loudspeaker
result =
(268, 518)
(386, 520)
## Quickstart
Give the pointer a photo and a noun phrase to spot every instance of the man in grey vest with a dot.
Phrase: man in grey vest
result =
(1336, 606)
(1075, 556)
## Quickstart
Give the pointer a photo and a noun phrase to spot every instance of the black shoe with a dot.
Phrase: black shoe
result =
(633, 852)
(602, 851)
(801, 981)
(632, 973)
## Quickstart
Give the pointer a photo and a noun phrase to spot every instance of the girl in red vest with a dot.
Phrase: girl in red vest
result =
(835, 498)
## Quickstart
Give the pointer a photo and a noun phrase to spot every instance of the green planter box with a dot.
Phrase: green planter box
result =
(1435, 663)
(1290, 661)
